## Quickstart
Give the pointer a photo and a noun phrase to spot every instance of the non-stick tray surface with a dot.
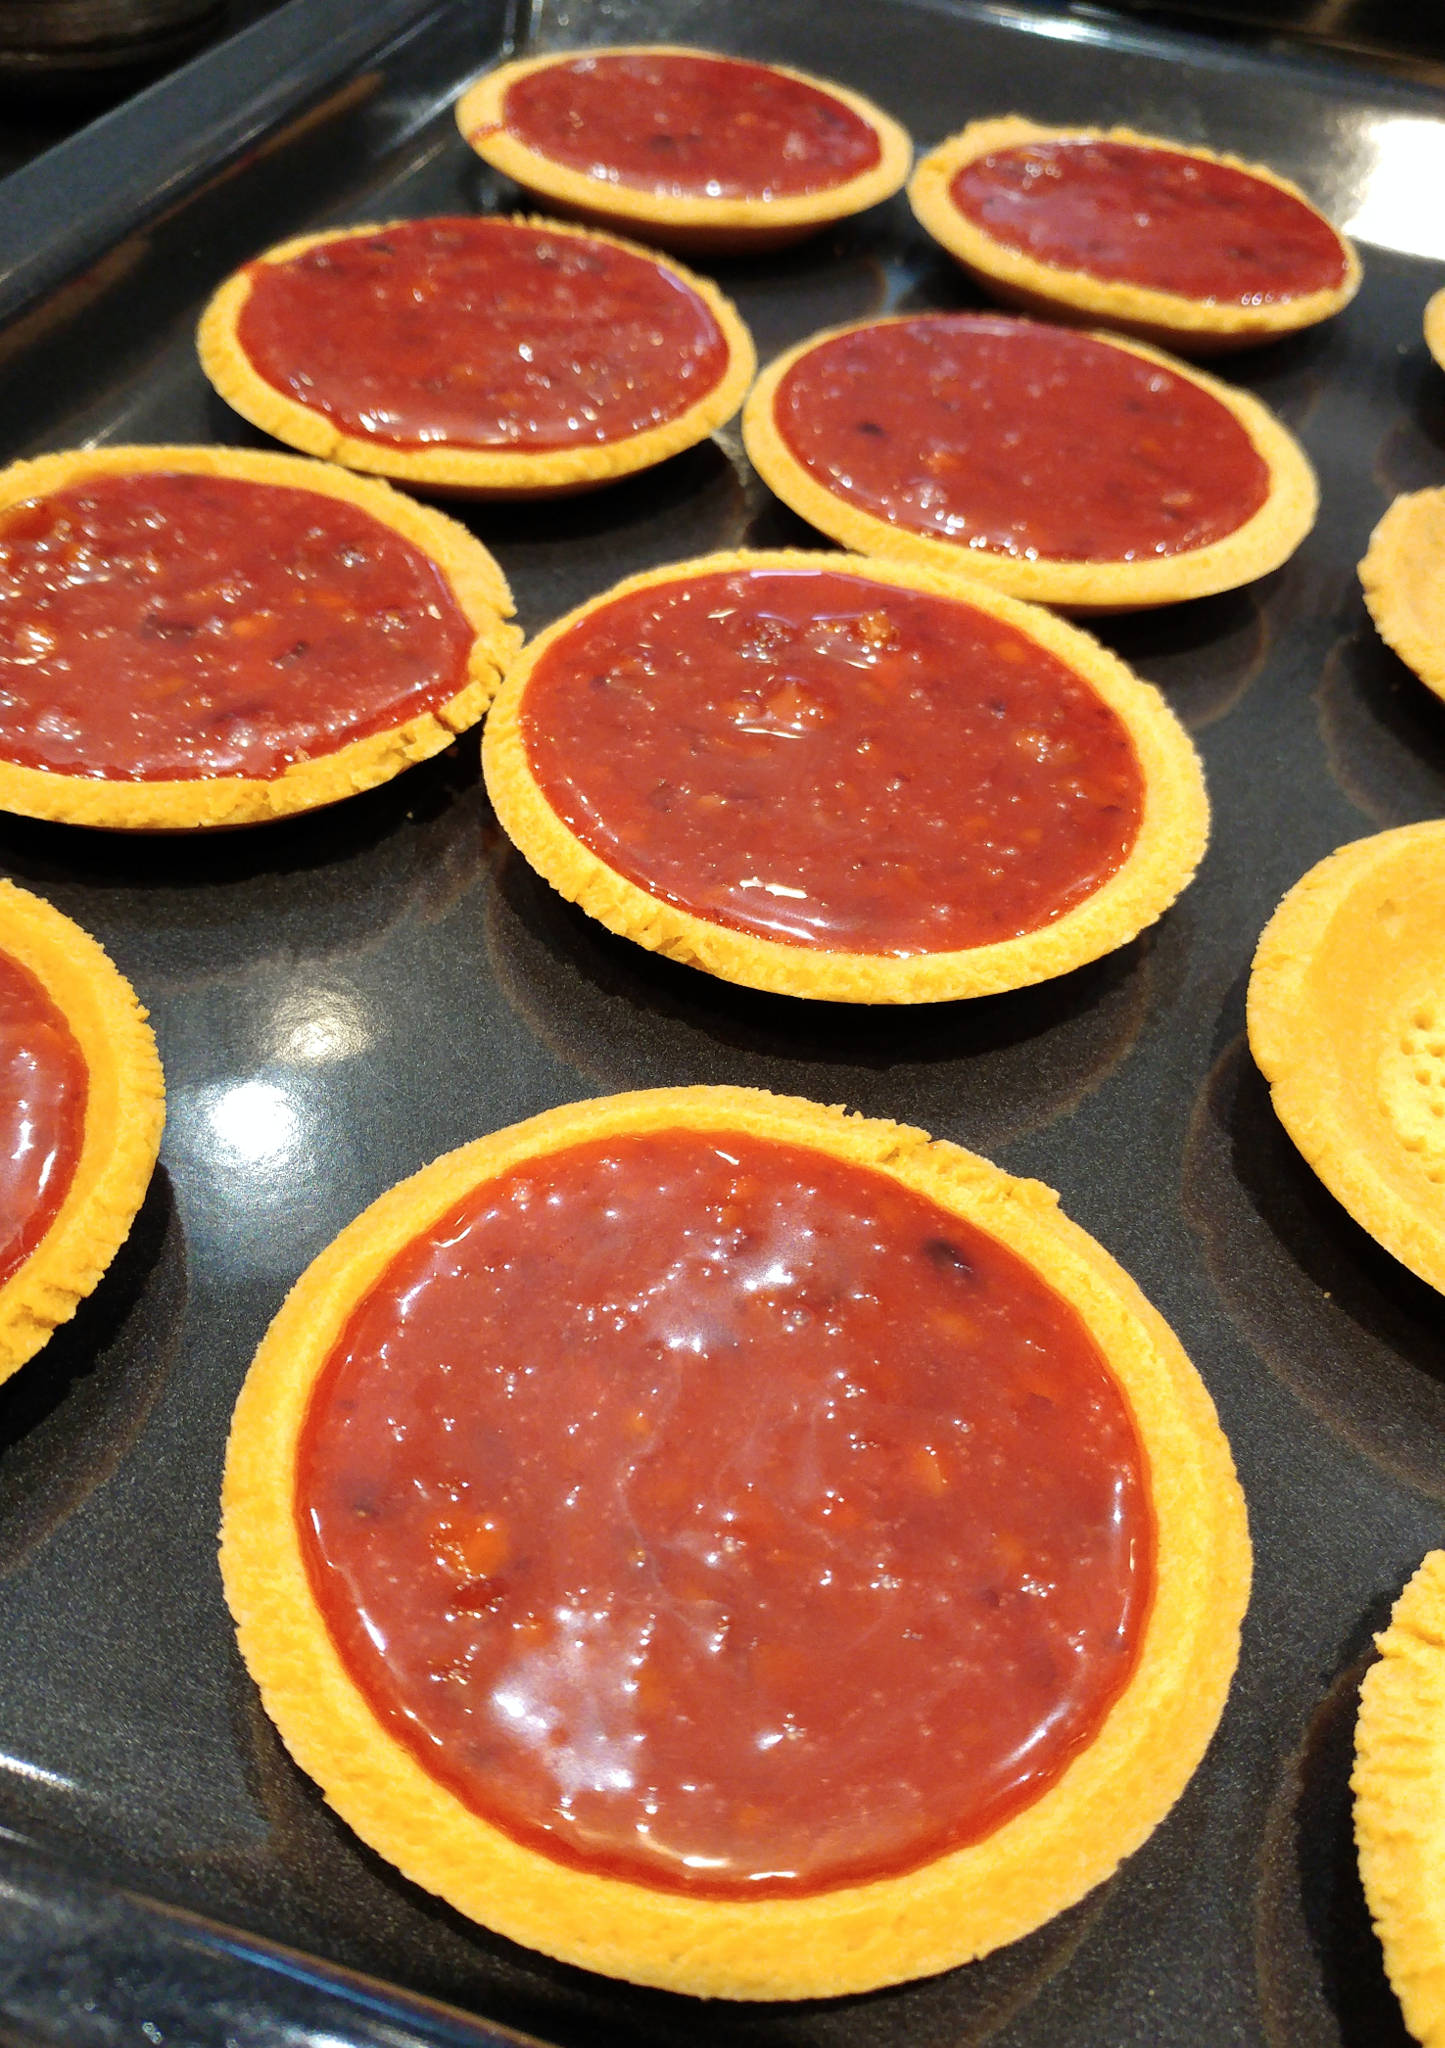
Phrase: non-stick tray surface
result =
(342, 997)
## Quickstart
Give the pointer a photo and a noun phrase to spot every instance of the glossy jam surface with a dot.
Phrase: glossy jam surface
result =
(825, 760)
(489, 334)
(158, 626)
(1019, 439)
(712, 1513)
(43, 1088)
(690, 126)
(1134, 215)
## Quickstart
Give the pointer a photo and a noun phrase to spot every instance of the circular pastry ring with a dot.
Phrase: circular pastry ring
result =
(124, 1112)
(482, 473)
(687, 221)
(964, 1903)
(1174, 320)
(1347, 1026)
(1403, 575)
(476, 582)
(1171, 840)
(1435, 326)
(1265, 540)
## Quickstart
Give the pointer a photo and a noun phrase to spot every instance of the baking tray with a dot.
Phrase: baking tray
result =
(343, 996)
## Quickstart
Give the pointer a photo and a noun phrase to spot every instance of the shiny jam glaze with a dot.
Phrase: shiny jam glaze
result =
(486, 333)
(158, 626)
(826, 760)
(43, 1088)
(712, 1513)
(1021, 439)
(1132, 214)
(690, 126)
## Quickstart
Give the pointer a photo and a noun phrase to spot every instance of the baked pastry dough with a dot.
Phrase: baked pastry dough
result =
(851, 1937)
(1117, 282)
(124, 1108)
(562, 405)
(814, 151)
(1435, 327)
(774, 703)
(161, 665)
(1403, 575)
(1347, 1023)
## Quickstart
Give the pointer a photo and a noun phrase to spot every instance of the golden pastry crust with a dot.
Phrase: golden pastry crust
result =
(481, 473)
(1265, 540)
(476, 583)
(1399, 1787)
(1403, 575)
(1174, 320)
(959, 1906)
(1435, 327)
(1347, 1024)
(124, 1112)
(1171, 841)
(689, 221)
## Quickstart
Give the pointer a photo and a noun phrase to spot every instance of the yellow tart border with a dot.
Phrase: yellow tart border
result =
(1172, 835)
(959, 1906)
(1172, 319)
(1434, 324)
(476, 582)
(1399, 1788)
(481, 473)
(124, 1113)
(689, 221)
(1266, 539)
(1363, 1162)
(1403, 577)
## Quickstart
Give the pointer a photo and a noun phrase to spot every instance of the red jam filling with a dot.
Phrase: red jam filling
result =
(490, 334)
(43, 1087)
(171, 627)
(1020, 439)
(690, 126)
(818, 758)
(711, 1513)
(1133, 214)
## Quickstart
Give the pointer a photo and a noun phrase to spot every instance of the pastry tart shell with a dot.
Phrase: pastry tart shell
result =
(1403, 575)
(958, 1906)
(1265, 540)
(125, 1109)
(686, 221)
(187, 804)
(1435, 327)
(449, 471)
(1171, 840)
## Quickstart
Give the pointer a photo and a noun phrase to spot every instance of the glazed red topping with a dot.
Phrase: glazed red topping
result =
(711, 1513)
(1132, 214)
(43, 1086)
(813, 756)
(690, 126)
(485, 333)
(1020, 439)
(159, 626)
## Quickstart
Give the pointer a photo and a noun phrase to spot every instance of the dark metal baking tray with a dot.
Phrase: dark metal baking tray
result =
(341, 997)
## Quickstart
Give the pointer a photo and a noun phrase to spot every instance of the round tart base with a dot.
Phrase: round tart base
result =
(1435, 327)
(1399, 1787)
(1403, 575)
(476, 583)
(1171, 840)
(964, 1903)
(125, 1109)
(1171, 319)
(1347, 1024)
(690, 222)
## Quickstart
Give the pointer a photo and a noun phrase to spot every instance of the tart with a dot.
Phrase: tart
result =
(81, 1108)
(1435, 327)
(685, 147)
(559, 1591)
(1347, 1023)
(1403, 574)
(1075, 469)
(479, 357)
(207, 636)
(1399, 1787)
(833, 777)
(1104, 227)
